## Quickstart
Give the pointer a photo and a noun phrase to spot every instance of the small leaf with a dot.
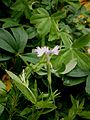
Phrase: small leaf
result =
(45, 104)
(2, 88)
(85, 114)
(4, 58)
(88, 84)
(1, 109)
(26, 111)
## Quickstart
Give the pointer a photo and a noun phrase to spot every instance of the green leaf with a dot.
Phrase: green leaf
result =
(82, 41)
(73, 110)
(54, 31)
(30, 57)
(8, 22)
(1, 109)
(7, 2)
(2, 88)
(4, 58)
(31, 32)
(7, 42)
(20, 85)
(45, 104)
(63, 58)
(21, 38)
(26, 111)
(59, 15)
(66, 39)
(42, 20)
(77, 72)
(18, 6)
(87, 88)
(72, 81)
(44, 27)
(70, 66)
(85, 114)
(83, 60)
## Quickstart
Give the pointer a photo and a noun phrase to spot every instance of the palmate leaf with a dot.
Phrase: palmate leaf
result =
(14, 44)
(42, 20)
(21, 7)
(45, 23)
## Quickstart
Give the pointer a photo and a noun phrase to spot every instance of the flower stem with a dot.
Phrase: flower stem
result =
(49, 76)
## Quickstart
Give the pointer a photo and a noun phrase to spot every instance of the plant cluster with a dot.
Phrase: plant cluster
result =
(44, 59)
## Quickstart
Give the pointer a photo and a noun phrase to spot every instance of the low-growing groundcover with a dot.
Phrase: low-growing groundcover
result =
(44, 59)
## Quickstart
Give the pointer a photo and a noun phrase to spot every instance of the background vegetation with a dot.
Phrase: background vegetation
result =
(38, 88)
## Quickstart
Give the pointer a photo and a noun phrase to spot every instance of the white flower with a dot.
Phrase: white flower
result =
(42, 50)
(55, 50)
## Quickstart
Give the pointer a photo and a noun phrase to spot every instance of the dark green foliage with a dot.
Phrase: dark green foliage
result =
(49, 87)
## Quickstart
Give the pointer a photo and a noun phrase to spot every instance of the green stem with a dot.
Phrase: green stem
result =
(43, 41)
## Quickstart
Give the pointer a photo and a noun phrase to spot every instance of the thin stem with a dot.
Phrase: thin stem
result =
(49, 76)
